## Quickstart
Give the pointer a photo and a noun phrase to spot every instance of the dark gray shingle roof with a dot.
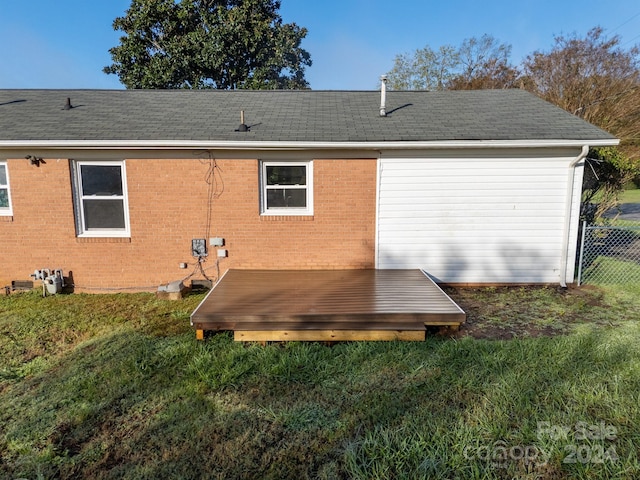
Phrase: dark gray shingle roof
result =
(285, 116)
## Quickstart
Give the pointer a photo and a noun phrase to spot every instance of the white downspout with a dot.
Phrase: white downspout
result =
(564, 265)
(376, 249)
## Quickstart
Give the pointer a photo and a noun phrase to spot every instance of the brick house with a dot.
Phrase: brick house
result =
(113, 187)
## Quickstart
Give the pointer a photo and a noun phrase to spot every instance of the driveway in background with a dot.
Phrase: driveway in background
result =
(625, 211)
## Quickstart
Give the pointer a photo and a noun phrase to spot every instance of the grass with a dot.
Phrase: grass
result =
(115, 386)
(611, 271)
(630, 196)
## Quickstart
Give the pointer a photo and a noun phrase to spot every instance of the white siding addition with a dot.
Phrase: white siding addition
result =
(483, 219)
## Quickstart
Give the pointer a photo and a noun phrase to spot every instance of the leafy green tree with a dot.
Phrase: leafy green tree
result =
(607, 172)
(223, 44)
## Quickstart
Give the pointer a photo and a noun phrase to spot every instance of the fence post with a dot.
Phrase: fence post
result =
(584, 233)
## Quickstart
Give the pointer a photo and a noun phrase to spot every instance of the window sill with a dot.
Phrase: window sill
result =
(6, 218)
(286, 218)
(103, 240)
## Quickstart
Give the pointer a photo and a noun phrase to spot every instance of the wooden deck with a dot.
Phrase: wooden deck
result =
(325, 305)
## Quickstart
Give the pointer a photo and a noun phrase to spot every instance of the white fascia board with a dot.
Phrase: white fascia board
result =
(283, 145)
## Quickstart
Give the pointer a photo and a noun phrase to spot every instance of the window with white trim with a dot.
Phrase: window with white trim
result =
(286, 188)
(5, 193)
(102, 208)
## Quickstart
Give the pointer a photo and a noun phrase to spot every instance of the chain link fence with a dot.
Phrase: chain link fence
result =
(609, 255)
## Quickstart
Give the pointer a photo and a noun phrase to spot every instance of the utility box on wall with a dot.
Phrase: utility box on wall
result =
(199, 247)
(216, 242)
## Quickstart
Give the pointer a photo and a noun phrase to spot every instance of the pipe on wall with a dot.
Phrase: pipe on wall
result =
(564, 266)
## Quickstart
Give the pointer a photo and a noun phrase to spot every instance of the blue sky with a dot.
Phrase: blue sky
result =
(65, 43)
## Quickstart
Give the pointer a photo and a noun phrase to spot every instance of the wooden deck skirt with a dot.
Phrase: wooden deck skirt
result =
(325, 305)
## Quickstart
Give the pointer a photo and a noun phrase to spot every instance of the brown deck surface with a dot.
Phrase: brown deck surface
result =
(325, 300)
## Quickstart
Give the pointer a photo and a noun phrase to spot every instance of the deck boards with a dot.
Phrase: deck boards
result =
(327, 301)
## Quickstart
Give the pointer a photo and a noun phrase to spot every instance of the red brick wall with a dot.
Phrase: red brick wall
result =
(168, 207)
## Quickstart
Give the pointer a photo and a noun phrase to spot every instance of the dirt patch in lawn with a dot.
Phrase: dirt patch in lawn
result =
(527, 311)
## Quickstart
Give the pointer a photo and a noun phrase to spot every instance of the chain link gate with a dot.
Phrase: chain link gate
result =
(609, 255)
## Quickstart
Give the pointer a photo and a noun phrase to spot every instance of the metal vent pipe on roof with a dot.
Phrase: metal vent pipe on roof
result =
(67, 105)
(243, 126)
(383, 96)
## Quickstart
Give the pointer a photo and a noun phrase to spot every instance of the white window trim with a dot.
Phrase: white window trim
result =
(6, 211)
(98, 233)
(287, 211)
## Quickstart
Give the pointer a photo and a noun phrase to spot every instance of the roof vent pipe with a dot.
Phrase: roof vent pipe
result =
(383, 96)
(243, 126)
(67, 105)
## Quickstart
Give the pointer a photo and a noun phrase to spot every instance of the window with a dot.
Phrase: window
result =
(5, 197)
(101, 199)
(287, 188)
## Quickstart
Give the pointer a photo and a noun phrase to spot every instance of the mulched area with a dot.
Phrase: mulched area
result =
(501, 313)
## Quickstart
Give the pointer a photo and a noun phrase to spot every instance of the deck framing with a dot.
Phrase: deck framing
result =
(327, 335)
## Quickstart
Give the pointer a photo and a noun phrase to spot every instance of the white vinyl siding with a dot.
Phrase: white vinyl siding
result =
(474, 220)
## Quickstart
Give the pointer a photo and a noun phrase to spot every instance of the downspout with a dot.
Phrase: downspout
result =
(376, 247)
(564, 266)
(383, 113)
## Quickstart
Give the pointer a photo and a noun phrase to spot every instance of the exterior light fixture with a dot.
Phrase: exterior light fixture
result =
(35, 160)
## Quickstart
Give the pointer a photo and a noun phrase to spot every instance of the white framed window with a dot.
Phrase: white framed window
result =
(102, 208)
(5, 192)
(286, 188)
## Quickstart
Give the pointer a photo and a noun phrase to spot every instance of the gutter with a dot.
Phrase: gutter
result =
(564, 265)
(285, 145)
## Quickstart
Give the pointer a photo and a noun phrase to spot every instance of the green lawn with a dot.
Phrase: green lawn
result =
(630, 196)
(116, 386)
(607, 270)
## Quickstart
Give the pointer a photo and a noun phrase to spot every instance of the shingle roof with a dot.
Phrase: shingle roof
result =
(285, 116)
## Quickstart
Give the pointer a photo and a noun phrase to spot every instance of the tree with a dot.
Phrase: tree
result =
(223, 44)
(606, 173)
(477, 63)
(426, 69)
(591, 77)
(484, 63)
(594, 78)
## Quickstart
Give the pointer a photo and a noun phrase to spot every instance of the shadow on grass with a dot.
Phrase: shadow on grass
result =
(132, 405)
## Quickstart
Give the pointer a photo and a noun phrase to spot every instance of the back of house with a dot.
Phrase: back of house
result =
(132, 189)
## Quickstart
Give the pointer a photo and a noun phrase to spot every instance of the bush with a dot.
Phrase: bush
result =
(607, 172)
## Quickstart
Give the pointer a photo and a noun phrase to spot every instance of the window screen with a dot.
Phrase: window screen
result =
(102, 198)
(286, 188)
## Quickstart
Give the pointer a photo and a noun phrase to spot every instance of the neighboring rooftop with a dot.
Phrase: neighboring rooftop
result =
(285, 116)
